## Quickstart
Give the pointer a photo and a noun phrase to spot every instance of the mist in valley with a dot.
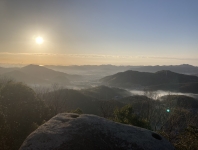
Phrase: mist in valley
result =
(130, 62)
(161, 93)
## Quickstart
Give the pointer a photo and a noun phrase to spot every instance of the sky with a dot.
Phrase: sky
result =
(94, 32)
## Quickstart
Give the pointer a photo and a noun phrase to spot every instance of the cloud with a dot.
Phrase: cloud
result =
(99, 56)
(175, 58)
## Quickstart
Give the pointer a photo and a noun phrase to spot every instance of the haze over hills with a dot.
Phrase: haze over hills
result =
(5, 70)
(183, 69)
(111, 69)
(91, 72)
(112, 58)
(88, 76)
(34, 74)
(91, 67)
(160, 80)
(99, 71)
(48, 74)
(20, 76)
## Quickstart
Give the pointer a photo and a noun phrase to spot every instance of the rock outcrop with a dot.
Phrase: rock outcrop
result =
(69, 131)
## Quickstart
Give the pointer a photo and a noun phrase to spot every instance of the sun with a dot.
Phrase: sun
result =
(39, 40)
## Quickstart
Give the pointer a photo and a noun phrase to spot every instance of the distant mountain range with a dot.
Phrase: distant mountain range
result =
(91, 72)
(141, 76)
(111, 69)
(161, 80)
(183, 69)
(90, 67)
(34, 74)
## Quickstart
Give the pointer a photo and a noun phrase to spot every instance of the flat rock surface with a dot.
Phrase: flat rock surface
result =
(69, 131)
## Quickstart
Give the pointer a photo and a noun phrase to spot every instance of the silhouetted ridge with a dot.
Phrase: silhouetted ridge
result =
(160, 79)
(184, 68)
(105, 93)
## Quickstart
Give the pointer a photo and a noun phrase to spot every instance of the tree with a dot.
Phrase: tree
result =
(188, 139)
(20, 113)
(77, 111)
(126, 115)
(107, 108)
(152, 95)
(56, 99)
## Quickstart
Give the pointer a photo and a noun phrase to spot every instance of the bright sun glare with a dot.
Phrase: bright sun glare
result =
(39, 40)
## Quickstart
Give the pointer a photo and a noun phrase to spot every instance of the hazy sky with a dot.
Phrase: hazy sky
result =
(121, 32)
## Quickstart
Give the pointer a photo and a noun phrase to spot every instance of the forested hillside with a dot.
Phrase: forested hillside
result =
(161, 80)
(22, 110)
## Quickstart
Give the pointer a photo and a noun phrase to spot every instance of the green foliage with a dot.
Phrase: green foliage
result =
(180, 101)
(187, 139)
(65, 100)
(184, 140)
(77, 111)
(189, 88)
(181, 129)
(20, 113)
(105, 92)
(126, 115)
(179, 126)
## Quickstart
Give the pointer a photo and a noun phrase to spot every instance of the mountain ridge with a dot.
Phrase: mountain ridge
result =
(35, 74)
(131, 79)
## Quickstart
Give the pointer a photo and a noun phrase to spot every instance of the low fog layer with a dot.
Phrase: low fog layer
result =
(161, 93)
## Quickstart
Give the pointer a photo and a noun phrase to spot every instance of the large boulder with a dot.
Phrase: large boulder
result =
(68, 131)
